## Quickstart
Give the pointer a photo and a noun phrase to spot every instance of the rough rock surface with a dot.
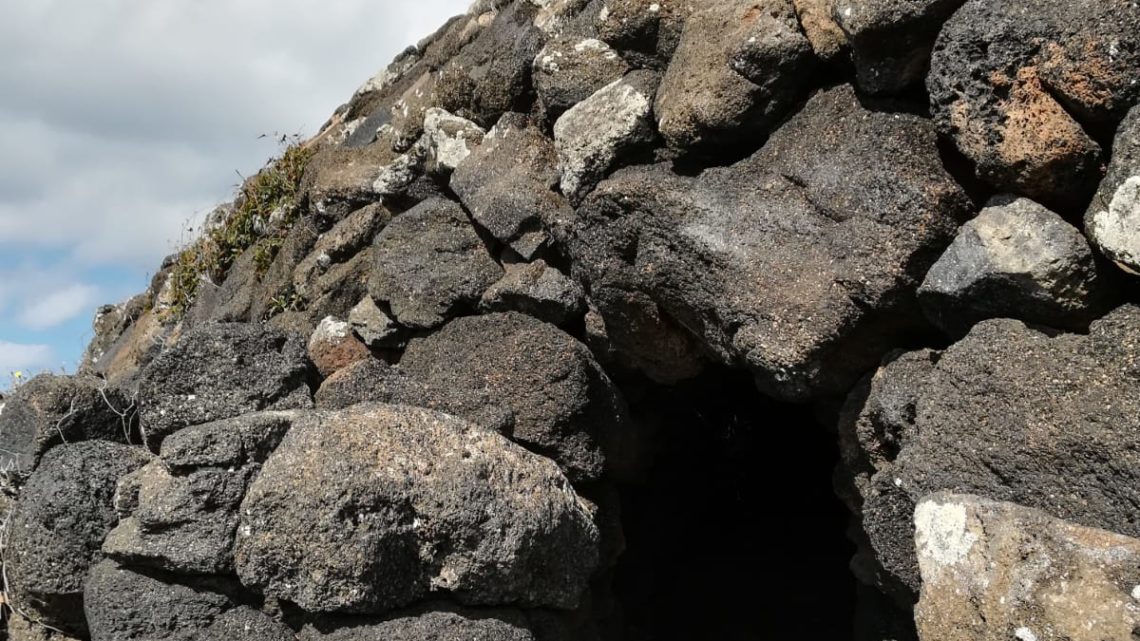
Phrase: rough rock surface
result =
(451, 623)
(508, 185)
(377, 382)
(536, 289)
(784, 262)
(561, 403)
(123, 604)
(239, 368)
(891, 39)
(739, 66)
(618, 252)
(413, 502)
(49, 410)
(334, 346)
(570, 68)
(1016, 259)
(1113, 219)
(990, 568)
(372, 325)
(1008, 413)
(596, 132)
(1022, 110)
(180, 513)
(429, 264)
(54, 533)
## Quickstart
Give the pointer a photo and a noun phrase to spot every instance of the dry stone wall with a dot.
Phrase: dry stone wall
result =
(429, 400)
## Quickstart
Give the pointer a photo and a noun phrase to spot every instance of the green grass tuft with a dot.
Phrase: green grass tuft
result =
(264, 209)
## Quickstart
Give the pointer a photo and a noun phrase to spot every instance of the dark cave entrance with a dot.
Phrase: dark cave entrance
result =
(738, 534)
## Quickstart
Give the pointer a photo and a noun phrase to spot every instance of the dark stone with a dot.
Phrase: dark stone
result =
(645, 37)
(571, 68)
(1018, 90)
(562, 404)
(180, 514)
(49, 410)
(374, 381)
(122, 604)
(789, 262)
(432, 623)
(222, 370)
(891, 39)
(377, 506)
(536, 289)
(508, 185)
(1019, 260)
(1008, 413)
(54, 533)
(429, 264)
(492, 75)
(739, 67)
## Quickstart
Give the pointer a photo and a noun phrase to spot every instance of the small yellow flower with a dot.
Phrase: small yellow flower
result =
(18, 375)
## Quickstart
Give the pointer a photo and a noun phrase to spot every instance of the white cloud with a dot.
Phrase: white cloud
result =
(59, 306)
(16, 357)
(122, 119)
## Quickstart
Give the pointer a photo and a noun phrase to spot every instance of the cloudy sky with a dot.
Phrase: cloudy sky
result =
(123, 121)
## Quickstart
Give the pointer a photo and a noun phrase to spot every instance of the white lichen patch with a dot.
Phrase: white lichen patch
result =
(449, 138)
(941, 533)
(590, 136)
(1116, 231)
(1024, 634)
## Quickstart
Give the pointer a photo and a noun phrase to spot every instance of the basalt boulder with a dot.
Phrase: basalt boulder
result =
(788, 263)
(50, 410)
(180, 513)
(1016, 259)
(222, 370)
(561, 402)
(1008, 413)
(429, 263)
(56, 529)
(1025, 92)
(377, 506)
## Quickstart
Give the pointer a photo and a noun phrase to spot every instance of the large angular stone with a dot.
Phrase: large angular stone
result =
(374, 381)
(122, 604)
(429, 264)
(739, 66)
(180, 514)
(645, 31)
(1016, 87)
(790, 262)
(891, 39)
(1008, 413)
(561, 403)
(54, 533)
(536, 289)
(49, 410)
(599, 131)
(1112, 221)
(1019, 260)
(508, 185)
(993, 571)
(222, 370)
(569, 69)
(492, 75)
(377, 506)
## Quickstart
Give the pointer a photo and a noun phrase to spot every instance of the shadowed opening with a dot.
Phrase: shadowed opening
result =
(738, 534)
